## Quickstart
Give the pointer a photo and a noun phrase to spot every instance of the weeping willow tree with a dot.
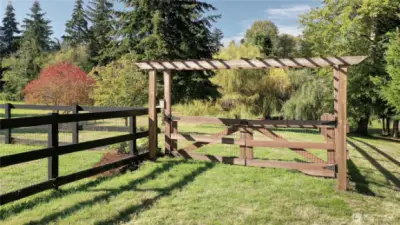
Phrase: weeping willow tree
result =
(311, 95)
(254, 92)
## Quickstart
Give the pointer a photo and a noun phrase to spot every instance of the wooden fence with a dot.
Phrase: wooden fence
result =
(54, 150)
(315, 167)
(74, 128)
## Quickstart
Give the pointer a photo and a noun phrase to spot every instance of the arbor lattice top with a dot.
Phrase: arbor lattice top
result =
(217, 64)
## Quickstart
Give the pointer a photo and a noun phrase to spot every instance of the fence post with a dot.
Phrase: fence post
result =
(242, 147)
(249, 149)
(174, 143)
(7, 134)
(132, 130)
(75, 125)
(52, 142)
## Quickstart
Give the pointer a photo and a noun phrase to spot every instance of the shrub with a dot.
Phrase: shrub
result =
(119, 83)
(199, 108)
(60, 84)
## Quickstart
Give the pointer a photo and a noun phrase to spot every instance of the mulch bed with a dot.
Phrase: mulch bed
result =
(110, 157)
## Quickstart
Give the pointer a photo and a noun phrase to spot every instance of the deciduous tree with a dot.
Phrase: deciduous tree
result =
(260, 92)
(344, 27)
(60, 84)
(263, 34)
(120, 84)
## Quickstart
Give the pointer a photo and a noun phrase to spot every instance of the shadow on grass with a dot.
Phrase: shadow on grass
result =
(375, 136)
(31, 203)
(384, 154)
(360, 181)
(124, 215)
(104, 197)
(388, 175)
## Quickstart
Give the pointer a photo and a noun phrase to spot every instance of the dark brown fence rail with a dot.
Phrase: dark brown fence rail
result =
(73, 127)
(53, 150)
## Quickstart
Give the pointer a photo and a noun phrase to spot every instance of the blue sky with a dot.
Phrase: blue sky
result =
(237, 15)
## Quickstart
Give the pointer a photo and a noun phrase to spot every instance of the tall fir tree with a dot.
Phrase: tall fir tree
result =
(9, 30)
(77, 27)
(35, 41)
(217, 37)
(170, 30)
(100, 14)
(37, 28)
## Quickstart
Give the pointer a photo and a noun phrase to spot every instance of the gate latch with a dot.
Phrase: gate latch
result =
(332, 168)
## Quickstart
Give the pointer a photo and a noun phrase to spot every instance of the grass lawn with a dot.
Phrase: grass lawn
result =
(22, 175)
(174, 191)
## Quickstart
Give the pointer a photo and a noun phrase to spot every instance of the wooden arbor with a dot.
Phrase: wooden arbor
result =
(338, 144)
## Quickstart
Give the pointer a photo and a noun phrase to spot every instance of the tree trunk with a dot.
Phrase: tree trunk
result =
(388, 126)
(362, 126)
(383, 126)
(396, 133)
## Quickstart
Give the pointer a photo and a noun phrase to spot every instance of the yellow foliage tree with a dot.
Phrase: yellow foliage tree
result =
(259, 92)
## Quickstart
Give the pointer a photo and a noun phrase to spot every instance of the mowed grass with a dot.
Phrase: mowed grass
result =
(26, 174)
(175, 191)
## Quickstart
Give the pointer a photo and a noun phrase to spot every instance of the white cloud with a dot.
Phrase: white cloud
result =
(291, 11)
(226, 40)
(292, 30)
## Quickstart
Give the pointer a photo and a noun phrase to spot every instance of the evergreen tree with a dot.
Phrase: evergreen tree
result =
(170, 30)
(2, 44)
(100, 15)
(217, 37)
(37, 28)
(77, 27)
(9, 30)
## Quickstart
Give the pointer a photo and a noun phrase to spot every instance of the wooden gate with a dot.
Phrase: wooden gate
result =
(315, 165)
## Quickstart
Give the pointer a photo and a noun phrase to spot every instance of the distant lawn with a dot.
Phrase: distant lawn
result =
(174, 191)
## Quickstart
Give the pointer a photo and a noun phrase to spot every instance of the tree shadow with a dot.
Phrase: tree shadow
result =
(375, 136)
(31, 203)
(124, 215)
(388, 175)
(360, 181)
(104, 197)
(384, 154)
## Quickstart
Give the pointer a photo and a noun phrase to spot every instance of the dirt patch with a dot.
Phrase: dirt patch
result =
(110, 157)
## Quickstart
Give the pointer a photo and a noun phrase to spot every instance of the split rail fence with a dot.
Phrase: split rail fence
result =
(54, 150)
(74, 128)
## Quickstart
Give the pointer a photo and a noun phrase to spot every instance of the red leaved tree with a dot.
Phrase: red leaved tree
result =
(60, 84)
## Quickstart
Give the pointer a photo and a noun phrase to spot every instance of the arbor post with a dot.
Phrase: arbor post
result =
(152, 114)
(167, 110)
(341, 129)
